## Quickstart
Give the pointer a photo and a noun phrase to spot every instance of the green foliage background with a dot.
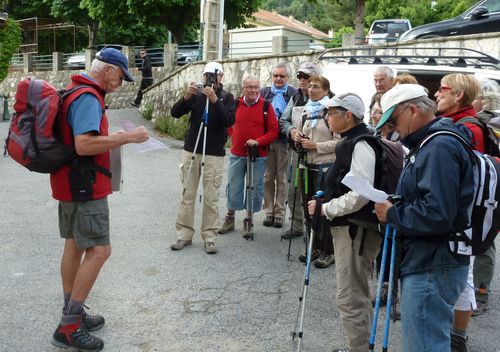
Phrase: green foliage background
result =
(10, 39)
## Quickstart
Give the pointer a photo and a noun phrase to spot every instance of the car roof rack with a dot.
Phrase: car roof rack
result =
(410, 55)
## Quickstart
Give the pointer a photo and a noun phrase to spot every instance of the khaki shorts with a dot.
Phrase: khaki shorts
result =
(85, 222)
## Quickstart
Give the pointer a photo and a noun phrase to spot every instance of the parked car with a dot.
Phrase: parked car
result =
(389, 30)
(483, 17)
(76, 61)
(351, 69)
(188, 52)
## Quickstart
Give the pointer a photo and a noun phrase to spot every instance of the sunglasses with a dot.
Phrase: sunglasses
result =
(301, 75)
(280, 76)
(394, 118)
(443, 87)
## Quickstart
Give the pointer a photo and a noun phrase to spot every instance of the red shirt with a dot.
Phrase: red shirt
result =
(477, 132)
(249, 124)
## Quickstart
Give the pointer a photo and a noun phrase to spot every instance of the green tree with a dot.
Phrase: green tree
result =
(10, 39)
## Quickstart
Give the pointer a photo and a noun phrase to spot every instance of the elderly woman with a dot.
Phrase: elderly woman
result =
(454, 100)
(314, 138)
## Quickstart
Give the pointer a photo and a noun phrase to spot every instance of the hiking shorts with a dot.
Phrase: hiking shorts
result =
(85, 222)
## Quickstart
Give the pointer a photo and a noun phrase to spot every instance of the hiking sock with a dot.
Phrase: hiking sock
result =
(67, 296)
(461, 333)
(230, 215)
(74, 307)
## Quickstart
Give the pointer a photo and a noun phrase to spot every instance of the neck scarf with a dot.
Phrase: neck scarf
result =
(279, 103)
(314, 108)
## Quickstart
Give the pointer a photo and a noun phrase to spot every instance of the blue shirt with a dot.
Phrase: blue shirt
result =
(85, 114)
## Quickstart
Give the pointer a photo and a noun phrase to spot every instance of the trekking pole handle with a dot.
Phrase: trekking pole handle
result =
(319, 195)
(316, 220)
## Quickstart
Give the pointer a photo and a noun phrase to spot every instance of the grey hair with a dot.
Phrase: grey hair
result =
(98, 66)
(425, 104)
(490, 94)
(248, 78)
(385, 70)
(283, 66)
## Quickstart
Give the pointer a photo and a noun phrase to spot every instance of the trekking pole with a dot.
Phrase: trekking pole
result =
(288, 181)
(248, 226)
(390, 293)
(379, 290)
(202, 125)
(295, 188)
(302, 299)
(205, 123)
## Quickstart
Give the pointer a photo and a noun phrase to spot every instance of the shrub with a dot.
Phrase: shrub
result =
(148, 112)
(10, 39)
(175, 128)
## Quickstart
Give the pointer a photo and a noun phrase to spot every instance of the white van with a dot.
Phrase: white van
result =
(384, 31)
(351, 69)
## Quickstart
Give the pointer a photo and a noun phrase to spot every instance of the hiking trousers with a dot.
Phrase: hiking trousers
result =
(353, 291)
(212, 180)
(275, 179)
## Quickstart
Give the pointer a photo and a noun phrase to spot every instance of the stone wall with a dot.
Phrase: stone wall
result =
(170, 85)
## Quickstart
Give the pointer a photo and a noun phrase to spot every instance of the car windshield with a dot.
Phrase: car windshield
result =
(390, 27)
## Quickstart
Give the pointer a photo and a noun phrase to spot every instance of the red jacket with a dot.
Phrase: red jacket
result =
(477, 132)
(62, 189)
(249, 124)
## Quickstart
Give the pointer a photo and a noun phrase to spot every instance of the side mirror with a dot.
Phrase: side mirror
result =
(478, 13)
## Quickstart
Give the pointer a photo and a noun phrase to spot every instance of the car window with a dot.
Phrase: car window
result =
(379, 27)
(491, 5)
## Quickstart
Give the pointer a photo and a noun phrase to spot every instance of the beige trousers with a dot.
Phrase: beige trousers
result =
(275, 179)
(353, 291)
(212, 180)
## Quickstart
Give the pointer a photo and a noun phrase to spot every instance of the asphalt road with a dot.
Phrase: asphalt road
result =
(245, 298)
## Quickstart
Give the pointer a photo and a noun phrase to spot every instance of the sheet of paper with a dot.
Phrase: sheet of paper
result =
(364, 189)
(147, 146)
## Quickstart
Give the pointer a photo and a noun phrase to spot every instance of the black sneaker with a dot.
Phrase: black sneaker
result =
(75, 335)
(458, 343)
(91, 322)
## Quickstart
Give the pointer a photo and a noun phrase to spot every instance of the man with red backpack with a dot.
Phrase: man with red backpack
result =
(82, 189)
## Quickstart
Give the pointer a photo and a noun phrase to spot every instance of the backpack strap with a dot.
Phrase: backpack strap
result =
(266, 108)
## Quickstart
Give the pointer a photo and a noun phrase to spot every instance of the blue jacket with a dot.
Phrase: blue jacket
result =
(436, 186)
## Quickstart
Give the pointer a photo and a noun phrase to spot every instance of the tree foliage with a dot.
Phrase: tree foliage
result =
(10, 39)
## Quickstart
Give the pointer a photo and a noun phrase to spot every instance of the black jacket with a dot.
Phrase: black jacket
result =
(220, 117)
(146, 67)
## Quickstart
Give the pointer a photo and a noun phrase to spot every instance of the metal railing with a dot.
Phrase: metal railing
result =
(42, 62)
(250, 48)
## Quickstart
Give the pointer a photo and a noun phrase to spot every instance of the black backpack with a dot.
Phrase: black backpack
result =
(490, 139)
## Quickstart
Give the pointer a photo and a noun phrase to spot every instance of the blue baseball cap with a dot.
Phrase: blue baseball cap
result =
(115, 57)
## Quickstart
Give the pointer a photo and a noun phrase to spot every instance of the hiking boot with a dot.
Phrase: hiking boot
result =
(293, 234)
(314, 255)
(75, 335)
(179, 244)
(91, 322)
(458, 343)
(269, 220)
(278, 222)
(383, 298)
(134, 104)
(480, 309)
(324, 261)
(247, 229)
(210, 248)
(227, 226)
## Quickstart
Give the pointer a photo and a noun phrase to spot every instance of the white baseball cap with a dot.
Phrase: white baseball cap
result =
(348, 101)
(395, 96)
(211, 67)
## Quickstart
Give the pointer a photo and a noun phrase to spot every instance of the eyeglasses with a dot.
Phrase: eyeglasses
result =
(251, 87)
(279, 76)
(301, 75)
(443, 87)
(394, 119)
(336, 111)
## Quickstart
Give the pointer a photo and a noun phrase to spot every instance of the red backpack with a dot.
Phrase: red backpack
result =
(33, 140)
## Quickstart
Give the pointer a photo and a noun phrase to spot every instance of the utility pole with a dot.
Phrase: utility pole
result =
(212, 20)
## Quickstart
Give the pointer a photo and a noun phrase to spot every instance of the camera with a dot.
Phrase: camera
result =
(210, 78)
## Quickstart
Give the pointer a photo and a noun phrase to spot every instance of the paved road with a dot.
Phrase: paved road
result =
(245, 298)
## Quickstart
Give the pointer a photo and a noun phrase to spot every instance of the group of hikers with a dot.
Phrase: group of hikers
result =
(286, 144)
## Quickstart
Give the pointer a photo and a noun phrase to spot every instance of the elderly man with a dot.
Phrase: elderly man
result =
(82, 191)
(355, 246)
(252, 129)
(383, 79)
(279, 93)
(294, 108)
(436, 187)
(220, 117)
